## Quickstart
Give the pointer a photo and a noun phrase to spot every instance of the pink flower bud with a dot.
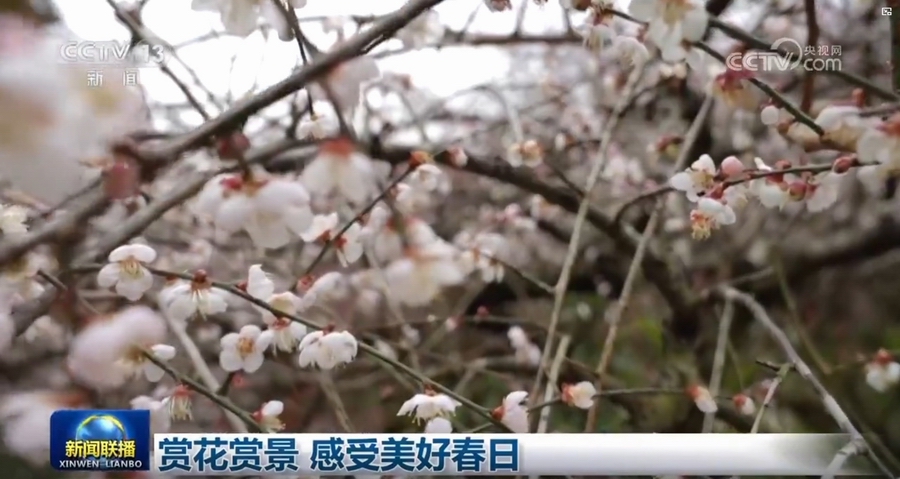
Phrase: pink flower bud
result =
(732, 167)
(122, 180)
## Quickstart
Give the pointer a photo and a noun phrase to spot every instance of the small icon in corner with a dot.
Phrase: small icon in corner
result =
(886, 11)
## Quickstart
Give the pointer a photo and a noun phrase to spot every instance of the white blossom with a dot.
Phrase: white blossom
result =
(883, 372)
(419, 277)
(671, 22)
(512, 413)
(239, 17)
(347, 82)
(126, 272)
(771, 191)
(327, 350)
(438, 425)
(428, 405)
(271, 210)
(709, 215)
(182, 300)
(703, 399)
(268, 416)
(842, 124)
(110, 350)
(744, 404)
(341, 169)
(160, 420)
(244, 350)
(347, 243)
(424, 30)
(12, 219)
(696, 179)
(580, 395)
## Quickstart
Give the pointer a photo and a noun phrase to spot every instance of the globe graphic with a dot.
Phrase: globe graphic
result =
(101, 427)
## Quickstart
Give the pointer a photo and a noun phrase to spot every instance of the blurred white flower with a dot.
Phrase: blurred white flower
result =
(709, 215)
(629, 51)
(182, 300)
(671, 22)
(160, 421)
(383, 233)
(346, 243)
(427, 177)
(428, 405)
(744, 404)
(271, 210)
(327, 349)
(268, 416)
(12, 219)
(882, 372)
(703, 399)
(881, 144)
(341, 169)
(842, 124)
(580, 395)
(529, 153)
(110, 350)
(438, 425)
(347, 82)
(239, 17)
(512, 413)
(26, 421)
(419, 276)
(597, 35)
(331, 286)
(424, 30)
(821, 191)
(244, 350)
(126, 272)
(321, 124)
(771, 115)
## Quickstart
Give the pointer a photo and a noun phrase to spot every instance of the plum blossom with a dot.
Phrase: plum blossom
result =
(160, 421)
(629, 51)
(819, 192)
(881, 145)
(271, 210)
(268, 416)
(744, 404)
(239, 17)
(12, 219)
(26, 421)
(419, 276)
(703, 399)
(286, 332)
(327, 349)
(883, 372)
(580, 395)
(598, 35)
(512, 413)
(347, 242)
(347, 81)
(428, 405)
(341, 169)
(427, 177)
(770, 190)
(696, 179)
(438, 425)
(126, 271)
(244, 350)
(179, 403)
(526, 352)
(182, 300)
(771, 115)
(529, 153)
(671, 22)
(110, 350)
(709, 215)
(424, 30)
(842, 124)
(383, 233)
